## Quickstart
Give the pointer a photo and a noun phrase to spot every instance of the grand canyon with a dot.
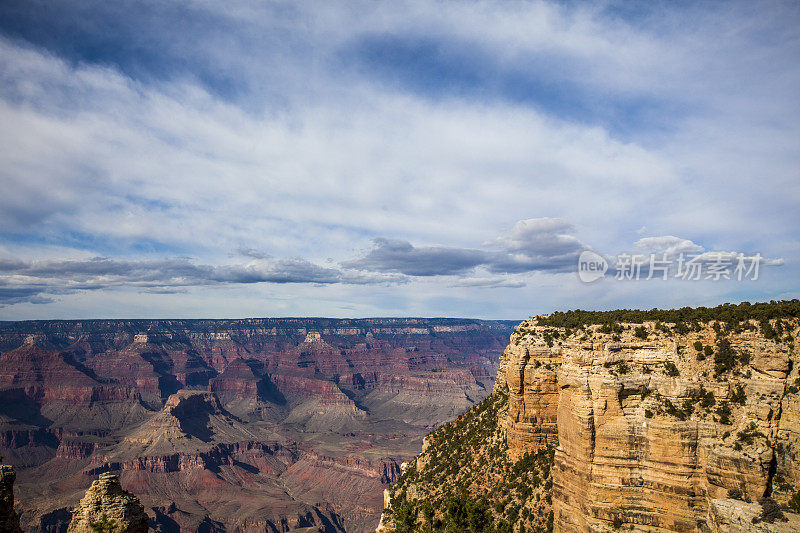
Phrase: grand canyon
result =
(231, 425)
(556, 243)
(653, 421)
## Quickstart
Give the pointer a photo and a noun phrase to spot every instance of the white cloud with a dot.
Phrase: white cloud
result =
(667, 244)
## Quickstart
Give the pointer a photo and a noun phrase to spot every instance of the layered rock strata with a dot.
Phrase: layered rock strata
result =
(248, 425)
(649, 432)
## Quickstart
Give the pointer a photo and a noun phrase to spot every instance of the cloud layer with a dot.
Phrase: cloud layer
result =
(532, 245)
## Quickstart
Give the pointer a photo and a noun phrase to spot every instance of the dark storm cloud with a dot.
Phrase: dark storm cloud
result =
(11, 295)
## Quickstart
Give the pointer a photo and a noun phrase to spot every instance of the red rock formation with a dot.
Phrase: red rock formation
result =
(224, 423)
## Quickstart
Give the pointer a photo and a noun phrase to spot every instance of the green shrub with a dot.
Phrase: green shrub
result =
(736, 494)
(749, 434)
(725, 358)
(724, 413)
(770, 511)
(744, 357)
(739, 396)
(729, 314)
(794, 502)
(671, 369)
(103, 525)
(548, 339)
(706, 398)
(674, 411)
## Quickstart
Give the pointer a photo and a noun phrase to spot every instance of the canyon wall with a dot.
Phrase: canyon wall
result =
(247, 425)
(654, 429)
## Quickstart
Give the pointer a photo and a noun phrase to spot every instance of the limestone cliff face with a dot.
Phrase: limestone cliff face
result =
(106, 504)
(9, 521)
(652, 432)
(528, 369)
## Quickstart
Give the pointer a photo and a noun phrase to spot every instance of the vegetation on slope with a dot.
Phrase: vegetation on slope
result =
(465, 480)
(732, 315)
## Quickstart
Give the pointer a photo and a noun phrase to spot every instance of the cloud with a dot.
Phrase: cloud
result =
(394, 255)
(719, 256)
(673, 247)
(675, 253)
(536, 244)
(15, 295)
(668, 244)
(489, 283)
(22, 281)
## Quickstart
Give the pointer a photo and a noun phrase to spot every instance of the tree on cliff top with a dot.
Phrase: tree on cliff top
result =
(731, 314)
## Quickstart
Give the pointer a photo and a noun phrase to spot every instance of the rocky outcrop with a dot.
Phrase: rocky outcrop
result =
(9, 521)
(649, 430)
(106, 504)
(528, 371)
(735, 516)
(653, 426)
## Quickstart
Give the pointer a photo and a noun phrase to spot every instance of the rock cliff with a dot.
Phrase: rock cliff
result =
(9, 521)
(657, 426)
(107, 507)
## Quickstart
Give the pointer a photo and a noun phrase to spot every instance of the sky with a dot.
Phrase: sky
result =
(204, 159)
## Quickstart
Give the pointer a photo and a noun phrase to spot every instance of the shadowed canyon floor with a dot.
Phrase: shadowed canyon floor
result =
(248, 425)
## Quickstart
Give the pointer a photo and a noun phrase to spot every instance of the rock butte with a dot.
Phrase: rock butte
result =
(106, 502)
(9, 521)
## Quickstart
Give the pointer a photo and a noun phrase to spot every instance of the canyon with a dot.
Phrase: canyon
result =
(222, 425)
(649, 426)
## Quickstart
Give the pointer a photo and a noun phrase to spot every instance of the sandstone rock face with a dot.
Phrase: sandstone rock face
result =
(528, 369)
(9, 521)
(648, 435)
(107, 503)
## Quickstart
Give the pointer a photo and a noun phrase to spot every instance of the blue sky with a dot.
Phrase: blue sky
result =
(206, 159)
